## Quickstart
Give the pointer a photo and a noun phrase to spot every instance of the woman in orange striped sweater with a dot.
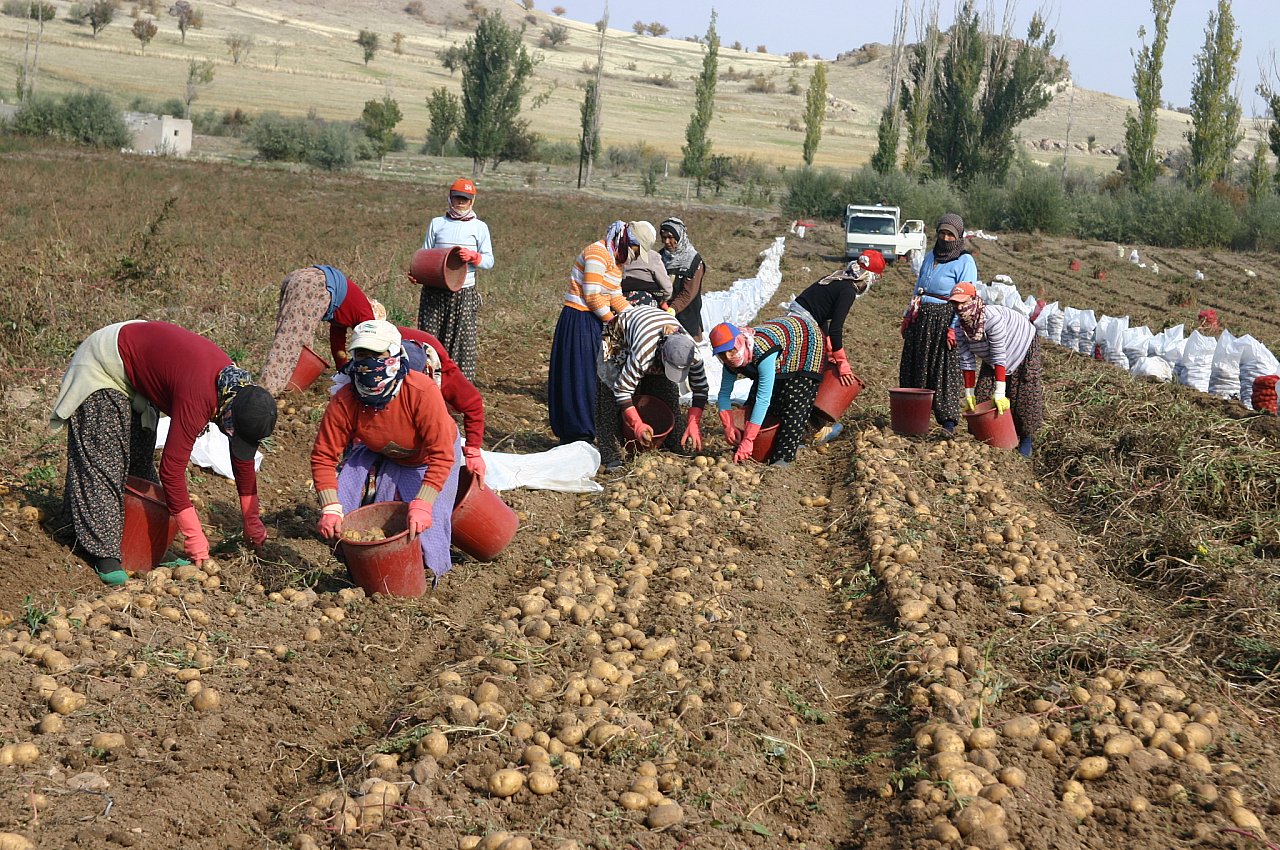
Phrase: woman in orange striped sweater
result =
(593, 300)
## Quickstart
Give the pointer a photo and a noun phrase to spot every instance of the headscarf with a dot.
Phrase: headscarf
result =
(743, 345)
(680, 259)
(451, 213)
(973, 318)
(944, 251)
(614, 236)
(229, 381)
(377, 380)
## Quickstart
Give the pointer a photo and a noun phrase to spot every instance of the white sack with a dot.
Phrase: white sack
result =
(1135, 344)
(1224, 375)
(1109, 337)
(569, 468)
(1153, 367)
(1196, 364)
(1050, 316)
(1256, 360)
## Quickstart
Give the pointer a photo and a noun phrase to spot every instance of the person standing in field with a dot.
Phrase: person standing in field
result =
(1004, 342)
(686, 268)
(593, 300)
(451, 316)
(929, 324)
(645, 279)
(120, 380)
(308, 297)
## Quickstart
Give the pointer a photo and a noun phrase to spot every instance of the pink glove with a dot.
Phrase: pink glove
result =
(419, 517)
(470, 256)
(693, 430)
(330, 525)
(731, 433)
(194, 543)
(254, 531)
(643, 432)
(474, 461)
(841, 364)
(951, 337)
(748, 443)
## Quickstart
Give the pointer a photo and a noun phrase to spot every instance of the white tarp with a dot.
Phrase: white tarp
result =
(211, 450)
(569, 469)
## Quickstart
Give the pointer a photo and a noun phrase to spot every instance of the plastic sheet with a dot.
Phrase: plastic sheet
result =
(211, 449)
(568, 469)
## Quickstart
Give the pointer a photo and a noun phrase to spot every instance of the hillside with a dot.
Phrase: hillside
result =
(304, 59)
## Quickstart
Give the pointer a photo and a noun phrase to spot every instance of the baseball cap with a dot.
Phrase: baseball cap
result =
(962, 292)
(253, 418)
(678, 353)
(375, 335)
(872, 260)
(722, 337)
(463, 186)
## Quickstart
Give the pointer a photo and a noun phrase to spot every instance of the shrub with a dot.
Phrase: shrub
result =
(557, 152)
(762, 85)
(86, 117)
(334, 147)
(984, 204)
(554, 35)
(666, 81)
(1037, 202)
(814, 192)
(1260, 225)
(173, 106)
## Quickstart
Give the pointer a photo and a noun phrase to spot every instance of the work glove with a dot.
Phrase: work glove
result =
(470, 256)
(692, 438)
(254, 531)
(194, 543)
(749, 433)
(731, 434)
(951, 337)
(970, 400)
(642, 432)
(841, 364)
(412, 279)
(474, 461)
(1002, 403)
(419, 517)
(330, 525)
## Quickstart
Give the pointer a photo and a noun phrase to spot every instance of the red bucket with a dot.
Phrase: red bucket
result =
(991, 429)
(833, 397)
(149, 528)
(483, 524)
(655, 413)
(310, 366)
(392, 565)
(440, 268)
(763, 446)
(910, 411)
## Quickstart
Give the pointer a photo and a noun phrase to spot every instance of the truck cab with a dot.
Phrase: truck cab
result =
(879, 227)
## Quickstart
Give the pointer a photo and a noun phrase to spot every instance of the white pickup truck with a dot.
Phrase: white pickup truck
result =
(878, 227)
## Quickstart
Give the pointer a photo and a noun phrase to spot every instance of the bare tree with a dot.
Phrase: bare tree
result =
(198, 74)
(188, 16)
(397, 43)
(558, 11)
(885, 159)
(588, 147)
(238, 45)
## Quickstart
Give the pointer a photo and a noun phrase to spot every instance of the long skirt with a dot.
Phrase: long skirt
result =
(792, 401)
(105, 444)
(303, 302)
(576, 350)
(366, 477)
(451, 318)
(927, 362)
(1023, 388)
(609, 419)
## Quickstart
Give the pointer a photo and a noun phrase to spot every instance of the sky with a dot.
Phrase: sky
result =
(1097, 37)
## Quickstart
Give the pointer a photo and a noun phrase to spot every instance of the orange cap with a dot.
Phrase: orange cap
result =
(463, 186)
(963, 292)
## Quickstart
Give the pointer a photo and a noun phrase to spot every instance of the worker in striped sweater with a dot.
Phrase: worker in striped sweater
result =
(647, 352)
(1005, 342)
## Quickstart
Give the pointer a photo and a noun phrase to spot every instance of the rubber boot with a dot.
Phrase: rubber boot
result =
(1024, 447)
(108, 569)
(949, 426)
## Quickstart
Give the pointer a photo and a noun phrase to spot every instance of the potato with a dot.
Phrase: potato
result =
(505, 783)
(206, 699)
(50, 724)
(1021, 727)
(108, 741)
(463, 712)
(44, 685)
(434, 744)
(982, 738)
(1013, 777)
(1121, 745)
(1092, 767)
(516, 842)
(664, 815)
(14, 841)
(633, 801)
(543, 782)
(64, 701)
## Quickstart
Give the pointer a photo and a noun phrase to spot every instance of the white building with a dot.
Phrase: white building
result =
(161, 135)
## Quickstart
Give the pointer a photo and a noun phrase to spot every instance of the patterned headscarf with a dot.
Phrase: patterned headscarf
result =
(944, 251)
(680, 259)
(377, 380)
(615, 236)
(229, 381)
(973, 318)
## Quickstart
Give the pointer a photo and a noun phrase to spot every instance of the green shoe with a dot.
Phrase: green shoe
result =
(108, 569)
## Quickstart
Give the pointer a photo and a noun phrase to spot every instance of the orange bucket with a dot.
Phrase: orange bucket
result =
(655, 413)
(910, 411)
(833, 397)
(149, 528)
(440, 268)
(763, 446)
(392, 565)
(483, 524)
(991, 429)
(310, 366)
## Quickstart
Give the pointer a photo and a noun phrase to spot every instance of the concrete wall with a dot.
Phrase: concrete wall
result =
(162, 135)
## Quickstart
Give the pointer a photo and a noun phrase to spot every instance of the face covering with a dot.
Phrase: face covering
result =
(377, 380)
(973, 318)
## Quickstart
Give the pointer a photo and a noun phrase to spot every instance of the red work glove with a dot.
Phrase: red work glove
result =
(330, 525)
(643, 432)
(951, 337)
(412, 280)
(419, 517)
(470, 256)
(474, 461)
(254, 531)
(731, 434)
(841, 364)
(693, 430)
(194, 543)
(749, 433)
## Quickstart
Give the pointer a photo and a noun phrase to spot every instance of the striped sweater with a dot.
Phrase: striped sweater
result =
(636, 335)
(1005, 342)
(595, 284)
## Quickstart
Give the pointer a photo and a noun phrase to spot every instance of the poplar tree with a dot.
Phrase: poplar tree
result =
(922, 71)
(1140, 129)
(885, 159)
(495, 72)
(952, 132)
(697, 148)
(1271, 94)
(1215, 110)
(815, 110)
(445, 112)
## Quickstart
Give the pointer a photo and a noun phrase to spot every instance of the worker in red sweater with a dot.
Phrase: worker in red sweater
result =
(119, 381)
(388, 422)
(308, 297)
(460, 395)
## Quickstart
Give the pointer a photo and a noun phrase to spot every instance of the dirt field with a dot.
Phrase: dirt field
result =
(894, 643)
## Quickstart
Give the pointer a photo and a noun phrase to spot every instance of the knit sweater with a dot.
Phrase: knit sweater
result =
(459, 393)
(639, 330)
(595, 284)
(445, 232)
(1005, 342)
